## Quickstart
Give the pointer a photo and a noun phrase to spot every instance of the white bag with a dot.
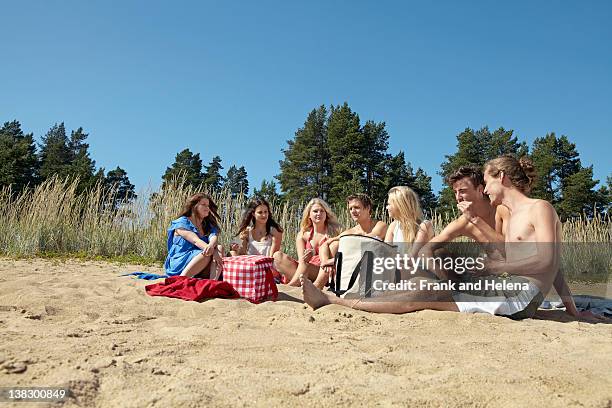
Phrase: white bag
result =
(355, 274)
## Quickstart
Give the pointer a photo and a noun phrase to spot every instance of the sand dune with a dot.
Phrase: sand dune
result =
(77, 324)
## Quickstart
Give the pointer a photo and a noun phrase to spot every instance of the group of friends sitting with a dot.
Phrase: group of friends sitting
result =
(495, 211)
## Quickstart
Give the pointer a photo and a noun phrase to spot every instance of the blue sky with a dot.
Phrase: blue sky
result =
(147, 79)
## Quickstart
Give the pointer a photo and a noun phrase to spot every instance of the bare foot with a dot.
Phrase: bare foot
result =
(313, 296)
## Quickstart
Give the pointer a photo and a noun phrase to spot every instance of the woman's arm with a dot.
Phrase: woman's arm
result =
(212, 244)
(277, 239)
(423, 236)
(192, 237)
(300, 245)
(389, 234)
(244, 245)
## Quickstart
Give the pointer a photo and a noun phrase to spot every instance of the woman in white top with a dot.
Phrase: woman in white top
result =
(409, 226)
(259, 233)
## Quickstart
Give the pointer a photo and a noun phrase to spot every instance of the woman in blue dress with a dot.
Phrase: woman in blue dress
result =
(192, 239)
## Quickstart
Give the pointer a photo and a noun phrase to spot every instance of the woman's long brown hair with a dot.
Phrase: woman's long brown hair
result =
(248, 219)
(208, 223)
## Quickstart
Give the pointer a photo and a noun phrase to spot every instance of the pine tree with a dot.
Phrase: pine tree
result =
(578, 195)
(55, 155)
(422, 186)
(476, 148)
(502, 142)
(230, 180)
(568, 160)
(603, 199)
(347, 149)
(376, 141)
(304, 173)
(236, 181)
(268, 192)
(470, 150)
(605, 195)
(187, 166)
(119, 181)
(562, 180)
(545, 160)
(18, 160)
(212, 175)
(81, 165)
(398, 172)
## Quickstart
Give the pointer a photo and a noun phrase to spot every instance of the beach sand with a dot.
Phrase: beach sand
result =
(77, 324)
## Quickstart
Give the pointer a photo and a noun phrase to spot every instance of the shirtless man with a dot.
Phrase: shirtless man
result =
(533, 221)
(360, 207)
(479, 221)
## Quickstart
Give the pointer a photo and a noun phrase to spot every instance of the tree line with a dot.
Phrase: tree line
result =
(562, 179)
(188, 167)
(23, 164)
(26, 164)
(331, 156)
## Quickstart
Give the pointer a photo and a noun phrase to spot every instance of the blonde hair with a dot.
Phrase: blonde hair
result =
(333, 227)
(409, 213)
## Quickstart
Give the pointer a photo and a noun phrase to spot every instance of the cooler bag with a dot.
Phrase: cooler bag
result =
(251, 276)
(355, 272)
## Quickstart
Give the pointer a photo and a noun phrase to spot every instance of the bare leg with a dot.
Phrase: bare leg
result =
(292, 270)
(216, 266)
(395, 303)
(197, 264)
(326, 269)
(304, 269)
(285, 265)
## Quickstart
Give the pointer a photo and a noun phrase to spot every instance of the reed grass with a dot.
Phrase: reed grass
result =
(54, 219)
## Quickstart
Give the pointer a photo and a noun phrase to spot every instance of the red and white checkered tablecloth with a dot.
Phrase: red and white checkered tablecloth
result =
(251, 276)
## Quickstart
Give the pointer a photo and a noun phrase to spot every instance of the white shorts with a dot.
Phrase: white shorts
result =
(502, 304)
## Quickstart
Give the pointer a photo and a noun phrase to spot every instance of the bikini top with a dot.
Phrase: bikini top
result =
(309, 240)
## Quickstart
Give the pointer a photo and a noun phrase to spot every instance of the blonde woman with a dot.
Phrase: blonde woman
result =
(318, 224)
(409, 225)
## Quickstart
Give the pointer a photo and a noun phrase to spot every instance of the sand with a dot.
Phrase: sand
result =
(77, 324)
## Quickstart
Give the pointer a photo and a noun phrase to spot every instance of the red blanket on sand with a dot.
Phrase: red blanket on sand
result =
(185, 288)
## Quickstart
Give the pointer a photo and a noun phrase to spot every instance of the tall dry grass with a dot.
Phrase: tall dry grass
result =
(586, 252)
(53, 218)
